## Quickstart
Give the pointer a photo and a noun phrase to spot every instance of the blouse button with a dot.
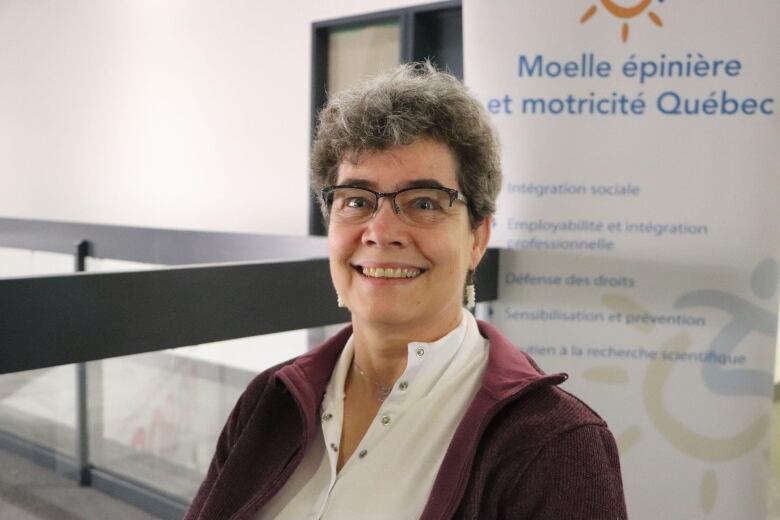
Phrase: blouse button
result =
(362, 453)
(334, 447)
(327, 417)
(385, 420)
(403, 385)
(420, 352)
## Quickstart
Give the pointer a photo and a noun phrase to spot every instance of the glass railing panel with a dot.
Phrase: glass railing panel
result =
(155, 417)
(23, 262)
(39, 406)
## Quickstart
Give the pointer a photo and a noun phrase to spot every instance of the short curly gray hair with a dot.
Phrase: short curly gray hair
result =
(397, 108)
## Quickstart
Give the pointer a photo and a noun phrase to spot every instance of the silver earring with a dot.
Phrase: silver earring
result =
(340, 302)
(471, 291)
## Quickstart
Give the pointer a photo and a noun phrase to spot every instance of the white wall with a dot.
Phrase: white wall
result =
(163, 113)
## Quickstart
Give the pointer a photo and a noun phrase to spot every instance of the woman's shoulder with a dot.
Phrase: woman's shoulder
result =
(265, 379)
(548, 444)
(528, 397)
(543, 414)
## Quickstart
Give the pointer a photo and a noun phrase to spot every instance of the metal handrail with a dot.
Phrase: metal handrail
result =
(157, 245)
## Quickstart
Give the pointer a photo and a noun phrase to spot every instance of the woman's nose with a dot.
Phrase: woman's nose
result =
(385, 228)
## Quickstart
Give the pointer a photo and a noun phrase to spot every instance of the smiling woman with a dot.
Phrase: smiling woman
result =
(416, 410)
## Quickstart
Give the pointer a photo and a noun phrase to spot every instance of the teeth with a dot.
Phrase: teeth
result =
(389, 272)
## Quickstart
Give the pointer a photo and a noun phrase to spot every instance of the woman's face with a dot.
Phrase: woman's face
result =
(437, 257)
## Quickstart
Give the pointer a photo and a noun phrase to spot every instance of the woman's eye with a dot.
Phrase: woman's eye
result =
(356, 203)
(424, 204)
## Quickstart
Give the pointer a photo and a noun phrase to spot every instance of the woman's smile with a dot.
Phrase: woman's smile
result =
(388, 272)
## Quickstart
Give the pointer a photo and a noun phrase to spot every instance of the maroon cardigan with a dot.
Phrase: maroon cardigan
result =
(525, 449)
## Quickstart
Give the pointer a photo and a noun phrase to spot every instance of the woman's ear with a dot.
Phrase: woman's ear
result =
(481, 239)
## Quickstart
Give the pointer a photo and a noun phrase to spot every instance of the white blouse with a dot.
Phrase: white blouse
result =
(391, 473)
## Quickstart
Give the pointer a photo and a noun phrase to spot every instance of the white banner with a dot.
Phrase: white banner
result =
(641, 200)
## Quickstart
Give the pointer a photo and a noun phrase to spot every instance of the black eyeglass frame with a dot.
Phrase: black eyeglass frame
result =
(453, 194)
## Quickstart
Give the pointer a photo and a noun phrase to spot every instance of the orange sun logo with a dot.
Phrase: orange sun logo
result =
(625, 13)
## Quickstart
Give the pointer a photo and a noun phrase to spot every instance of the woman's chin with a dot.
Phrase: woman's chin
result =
(384, 312)
(398, 313)
(383, 315)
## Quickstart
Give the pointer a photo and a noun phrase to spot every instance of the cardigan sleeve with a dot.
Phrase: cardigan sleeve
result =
(574, 476)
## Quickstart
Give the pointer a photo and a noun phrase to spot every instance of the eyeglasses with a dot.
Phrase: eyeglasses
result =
(424, 206)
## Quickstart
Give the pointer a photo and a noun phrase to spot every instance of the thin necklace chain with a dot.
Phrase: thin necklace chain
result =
(381, 390)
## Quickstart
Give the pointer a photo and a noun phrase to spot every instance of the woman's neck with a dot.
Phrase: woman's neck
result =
(381, 350)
